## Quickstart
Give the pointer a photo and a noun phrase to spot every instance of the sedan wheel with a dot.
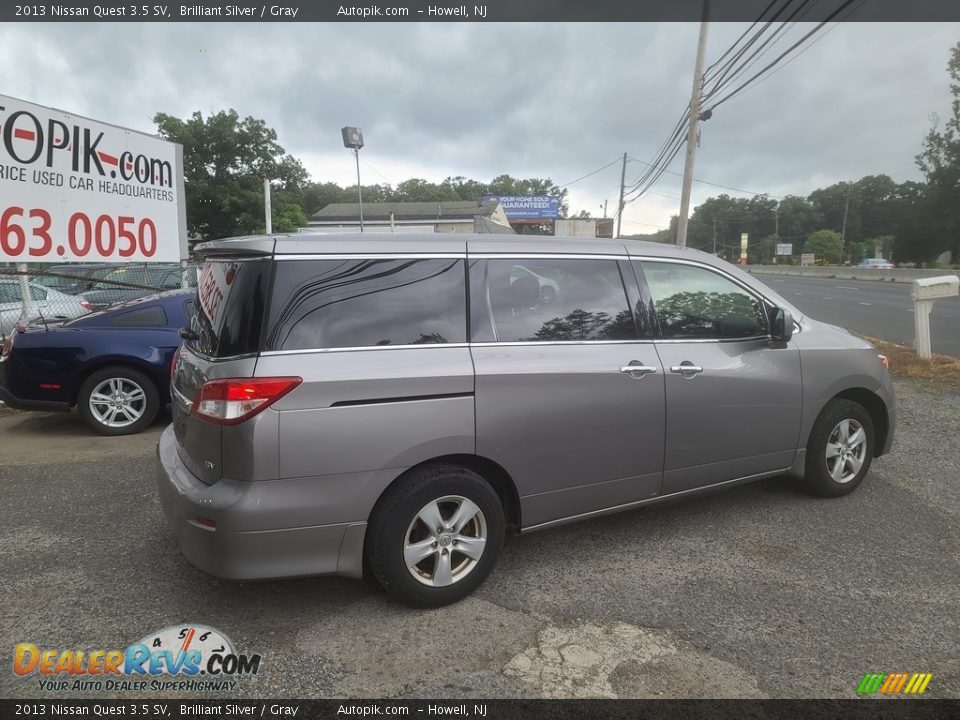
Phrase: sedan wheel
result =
(846, 448)
(118, 401)
(840, 448)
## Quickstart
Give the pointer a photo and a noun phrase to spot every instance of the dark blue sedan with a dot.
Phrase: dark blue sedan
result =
(113, 365)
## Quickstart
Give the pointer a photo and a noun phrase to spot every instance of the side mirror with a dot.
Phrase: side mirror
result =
(781, 328)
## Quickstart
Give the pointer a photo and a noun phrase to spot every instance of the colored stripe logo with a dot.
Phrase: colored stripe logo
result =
(894, 683)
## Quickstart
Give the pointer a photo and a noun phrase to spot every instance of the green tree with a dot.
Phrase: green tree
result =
(419, 190)
(225, 162)
(467, 189)
(798, 218)
(940, 162)
(825, 244)
(916, 235)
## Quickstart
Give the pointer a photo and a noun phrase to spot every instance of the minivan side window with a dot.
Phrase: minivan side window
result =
(321, 304)
(694, 302)
(548, 299)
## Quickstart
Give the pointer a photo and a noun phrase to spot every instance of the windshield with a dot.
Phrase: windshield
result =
(135, 276)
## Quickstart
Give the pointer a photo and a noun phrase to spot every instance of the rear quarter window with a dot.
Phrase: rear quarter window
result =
(153, 316)
(320, 304)
(229, 307)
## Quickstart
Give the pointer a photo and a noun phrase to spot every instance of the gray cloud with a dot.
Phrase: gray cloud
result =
(555, 100)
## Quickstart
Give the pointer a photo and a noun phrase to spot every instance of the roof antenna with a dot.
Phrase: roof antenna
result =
(43, 320)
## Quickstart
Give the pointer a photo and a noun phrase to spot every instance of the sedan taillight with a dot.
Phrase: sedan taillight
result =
(173, 363)
(85, 304)
(233, 400)
(7, 346)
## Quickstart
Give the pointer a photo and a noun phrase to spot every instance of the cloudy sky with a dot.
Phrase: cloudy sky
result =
(546, 100)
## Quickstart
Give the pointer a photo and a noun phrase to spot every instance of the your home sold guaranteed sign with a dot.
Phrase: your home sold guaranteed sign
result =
(73, 189)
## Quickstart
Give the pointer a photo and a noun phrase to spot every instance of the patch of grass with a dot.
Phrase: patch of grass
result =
(940, 372)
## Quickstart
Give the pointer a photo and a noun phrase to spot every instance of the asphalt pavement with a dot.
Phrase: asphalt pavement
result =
(870, 307)
(759, 591)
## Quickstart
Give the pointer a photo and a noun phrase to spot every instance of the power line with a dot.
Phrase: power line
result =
(675, 142)
(612, 162)
(729, 73)
(725, 187)
(727, 69)
(735, 42)
(846, 4)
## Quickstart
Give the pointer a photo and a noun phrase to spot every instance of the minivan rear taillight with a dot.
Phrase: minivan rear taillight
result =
(233, 400)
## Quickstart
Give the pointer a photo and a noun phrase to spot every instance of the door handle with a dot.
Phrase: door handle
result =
(687, 369)
(637, 369)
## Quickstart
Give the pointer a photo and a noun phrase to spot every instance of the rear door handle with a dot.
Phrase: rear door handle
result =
(637, 369)
(686, 368)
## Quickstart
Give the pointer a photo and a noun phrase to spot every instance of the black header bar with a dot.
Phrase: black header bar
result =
(537, 11)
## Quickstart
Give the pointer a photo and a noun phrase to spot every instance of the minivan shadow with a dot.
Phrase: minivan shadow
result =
(315, 595)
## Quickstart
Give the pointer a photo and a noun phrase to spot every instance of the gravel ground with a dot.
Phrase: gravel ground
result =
(760, 591)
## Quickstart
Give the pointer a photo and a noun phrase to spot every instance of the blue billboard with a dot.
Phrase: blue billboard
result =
(540, 208)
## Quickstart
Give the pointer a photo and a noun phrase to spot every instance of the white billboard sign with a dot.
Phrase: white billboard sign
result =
(784, 248)
(807, 259)
(74, 189)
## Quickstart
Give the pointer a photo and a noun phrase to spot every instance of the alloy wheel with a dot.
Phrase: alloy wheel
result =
(117, 402)
(846, 450)
(445, 541)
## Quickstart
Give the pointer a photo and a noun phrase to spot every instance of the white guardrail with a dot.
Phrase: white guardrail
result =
(903, 275)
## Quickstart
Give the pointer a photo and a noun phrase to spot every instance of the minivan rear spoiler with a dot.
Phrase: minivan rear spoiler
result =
(243, 246)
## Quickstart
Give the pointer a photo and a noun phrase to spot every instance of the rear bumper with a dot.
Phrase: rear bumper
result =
(240, 547)
(11, 400)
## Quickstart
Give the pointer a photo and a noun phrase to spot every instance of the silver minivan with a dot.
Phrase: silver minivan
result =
(350, 404)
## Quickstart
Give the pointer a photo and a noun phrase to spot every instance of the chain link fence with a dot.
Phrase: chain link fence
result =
(54, 293)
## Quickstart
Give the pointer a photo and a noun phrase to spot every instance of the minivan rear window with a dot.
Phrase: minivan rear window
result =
(231, 296)
(319, 304)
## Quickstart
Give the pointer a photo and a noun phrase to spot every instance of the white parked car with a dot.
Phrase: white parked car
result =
(48, 303)
(876, 264)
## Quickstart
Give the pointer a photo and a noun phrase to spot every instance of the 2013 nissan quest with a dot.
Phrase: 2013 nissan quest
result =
(399, 403)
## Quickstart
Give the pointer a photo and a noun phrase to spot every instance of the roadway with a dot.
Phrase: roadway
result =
(870, 307)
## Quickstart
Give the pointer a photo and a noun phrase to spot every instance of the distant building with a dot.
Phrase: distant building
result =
(591, 227)
(444, 217)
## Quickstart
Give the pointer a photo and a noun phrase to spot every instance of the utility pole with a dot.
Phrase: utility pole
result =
(266, 206)
(604, 208)
(843, 230)
(356, 154)
(623, 180)
(714, 236)
(693, 130)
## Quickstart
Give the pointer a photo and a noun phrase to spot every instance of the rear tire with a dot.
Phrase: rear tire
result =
(434, 536)
(118, 401)
(840, 449)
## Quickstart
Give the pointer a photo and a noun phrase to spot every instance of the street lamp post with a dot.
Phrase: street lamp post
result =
(353, 139)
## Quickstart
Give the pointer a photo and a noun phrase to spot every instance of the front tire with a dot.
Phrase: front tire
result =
(840, 449)
(434, 536)
(118, 401)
